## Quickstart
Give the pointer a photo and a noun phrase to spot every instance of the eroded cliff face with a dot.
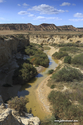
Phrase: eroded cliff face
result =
(9, 46)
(47, 39)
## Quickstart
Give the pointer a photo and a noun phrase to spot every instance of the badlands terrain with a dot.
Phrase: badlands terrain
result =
(14, 38)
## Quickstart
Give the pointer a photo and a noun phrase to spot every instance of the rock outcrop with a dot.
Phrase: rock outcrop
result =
(10, 117)
(9, 46)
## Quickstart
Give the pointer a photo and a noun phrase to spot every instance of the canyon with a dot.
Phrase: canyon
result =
(11, 46)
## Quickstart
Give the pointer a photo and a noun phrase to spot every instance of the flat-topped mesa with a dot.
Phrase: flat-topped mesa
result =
(41, 27)
(68, 28)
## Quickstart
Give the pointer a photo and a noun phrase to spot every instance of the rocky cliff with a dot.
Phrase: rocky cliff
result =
(9, 46)
(11, 117)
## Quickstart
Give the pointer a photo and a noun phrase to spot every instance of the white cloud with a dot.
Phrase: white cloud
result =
(1, 1)
(75, 20)
(31, 15)
(65, 4)
(19, 5)
(47, 18)
(74, 4)
(24, 4)
(46, 9)
(22, 13)
(78, 15)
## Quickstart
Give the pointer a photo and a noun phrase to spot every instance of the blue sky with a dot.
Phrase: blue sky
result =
(58, 12)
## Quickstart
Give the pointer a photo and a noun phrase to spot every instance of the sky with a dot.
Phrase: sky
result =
(58, 12)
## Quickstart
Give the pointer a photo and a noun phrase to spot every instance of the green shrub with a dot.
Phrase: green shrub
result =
(24, 74)
(52, 86)
(18, 103)
(37, 56)
(67, 74)
(60, 103)
(50, 71)
(63, 108)
(59, 55)
(27, 72)
(67, 59)
(70, 49)
(69, 45)
(78, 59)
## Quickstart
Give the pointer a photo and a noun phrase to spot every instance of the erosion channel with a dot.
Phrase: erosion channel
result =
(29, 89)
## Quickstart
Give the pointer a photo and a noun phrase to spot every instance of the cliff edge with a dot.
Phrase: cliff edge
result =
(11, 117)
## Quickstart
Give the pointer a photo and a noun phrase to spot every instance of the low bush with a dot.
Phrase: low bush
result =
(67, 59)
(40, 59)
(50, 71)
(59, 55)
(67, 74)
(37, 56)
(24, 74)
(60, 103)
(68, 45)
(52, 86)
(63, 108)
(78, 59)
(18, 104)
(70, 49)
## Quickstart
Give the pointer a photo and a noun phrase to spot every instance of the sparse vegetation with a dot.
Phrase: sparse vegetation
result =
(78, 59)
(24, 74)
(50, 71)
(67, 59)
(67, 74)
(52, 86)
(18, 104)
(63, 108)
(69, 49)
(59, 55)
(37, 56)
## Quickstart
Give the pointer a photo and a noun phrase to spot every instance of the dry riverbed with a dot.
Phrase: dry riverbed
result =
(43, 90)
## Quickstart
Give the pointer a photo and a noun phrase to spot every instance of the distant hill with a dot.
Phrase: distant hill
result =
(67, 28)
(41, 27)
